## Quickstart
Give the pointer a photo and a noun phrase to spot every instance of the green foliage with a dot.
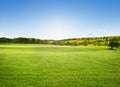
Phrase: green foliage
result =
(23, 40)
(5, 40)
(58, 42)
(96, 41)
(113, 43)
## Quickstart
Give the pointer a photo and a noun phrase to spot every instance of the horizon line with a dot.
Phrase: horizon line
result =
(63, 38)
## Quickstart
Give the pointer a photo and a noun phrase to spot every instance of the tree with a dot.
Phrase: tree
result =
(113, 43)
(85, 43)
(21, 40)
(75, 43)
(5, 40)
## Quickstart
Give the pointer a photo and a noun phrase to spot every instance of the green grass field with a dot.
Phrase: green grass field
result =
(54, 66)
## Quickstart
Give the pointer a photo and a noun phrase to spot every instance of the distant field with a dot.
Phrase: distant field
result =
(34, 65)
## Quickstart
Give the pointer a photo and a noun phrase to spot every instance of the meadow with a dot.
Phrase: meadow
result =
(28, 65)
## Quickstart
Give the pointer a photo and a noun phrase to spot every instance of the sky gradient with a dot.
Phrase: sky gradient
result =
(59, 19)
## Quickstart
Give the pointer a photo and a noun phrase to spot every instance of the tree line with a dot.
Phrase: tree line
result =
(23, 40)
(96, 41)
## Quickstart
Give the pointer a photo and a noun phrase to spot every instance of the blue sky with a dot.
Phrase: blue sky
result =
(59, 19)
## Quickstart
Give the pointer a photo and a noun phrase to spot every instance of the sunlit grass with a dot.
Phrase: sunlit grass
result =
(52, 66)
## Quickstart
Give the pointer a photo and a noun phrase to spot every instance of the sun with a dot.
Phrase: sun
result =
(57, 28)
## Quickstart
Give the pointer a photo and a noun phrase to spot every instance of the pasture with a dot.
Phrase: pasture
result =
(28, 65)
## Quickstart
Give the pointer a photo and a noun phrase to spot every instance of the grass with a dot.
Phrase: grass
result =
(52, 66)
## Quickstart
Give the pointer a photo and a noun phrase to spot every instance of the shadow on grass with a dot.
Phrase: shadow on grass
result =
(112, 49)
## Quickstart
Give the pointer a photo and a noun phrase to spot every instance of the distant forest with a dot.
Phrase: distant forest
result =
(96, 41)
